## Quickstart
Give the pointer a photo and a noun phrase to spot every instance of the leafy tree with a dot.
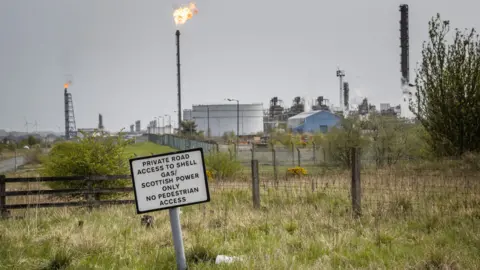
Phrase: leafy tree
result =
(389, 138)
(188, 128)
(340, 140)
(88, 156)
(31, 140)
(448, 90)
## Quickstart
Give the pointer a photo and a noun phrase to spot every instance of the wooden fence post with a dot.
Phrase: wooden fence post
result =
(3, 201)
(274, 159)
(314, 153)
(255, 185)
(90, 197)
(253, 151)
(356, 183)
(298, 157)
(293, 154)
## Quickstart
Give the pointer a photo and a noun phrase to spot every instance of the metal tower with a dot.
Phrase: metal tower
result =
(100, 122)
(346, 95)
(70, 127)
(340, 75)
(404, 45)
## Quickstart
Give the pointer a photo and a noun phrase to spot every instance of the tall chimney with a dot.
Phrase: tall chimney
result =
(100, 121)
(179, 91)
(404, 45)
(67, 133)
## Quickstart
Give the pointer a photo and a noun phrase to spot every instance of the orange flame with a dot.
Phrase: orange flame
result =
(182, 14)
(65, 85)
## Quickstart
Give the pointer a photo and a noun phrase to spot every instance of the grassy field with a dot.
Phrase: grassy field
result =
(146, 149)
(408, 222)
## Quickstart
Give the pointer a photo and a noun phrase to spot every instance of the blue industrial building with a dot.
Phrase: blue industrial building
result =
(313, 121)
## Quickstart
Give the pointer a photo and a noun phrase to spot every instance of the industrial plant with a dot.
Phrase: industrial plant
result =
(302, 115)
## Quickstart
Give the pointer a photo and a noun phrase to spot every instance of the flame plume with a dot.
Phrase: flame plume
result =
(67, 84)
(184, 13)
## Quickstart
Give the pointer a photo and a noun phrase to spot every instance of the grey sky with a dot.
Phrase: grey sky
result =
(122, 54)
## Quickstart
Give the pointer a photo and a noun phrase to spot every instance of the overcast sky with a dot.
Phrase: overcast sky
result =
(121, 54)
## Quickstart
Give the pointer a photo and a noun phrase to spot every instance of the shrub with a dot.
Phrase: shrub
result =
(87, 157)
(220, 165)
(341, 139)
(297, 171)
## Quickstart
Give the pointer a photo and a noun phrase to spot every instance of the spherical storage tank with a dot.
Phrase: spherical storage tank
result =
(222, 118)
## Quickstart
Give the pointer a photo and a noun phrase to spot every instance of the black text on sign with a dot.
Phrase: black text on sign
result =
(169, 180)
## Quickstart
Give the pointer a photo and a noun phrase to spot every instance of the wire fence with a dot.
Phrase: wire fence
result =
(181, 143)
(408, 186)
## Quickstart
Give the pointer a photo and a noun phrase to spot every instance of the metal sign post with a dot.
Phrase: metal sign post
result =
(170, 181)
(177, 238)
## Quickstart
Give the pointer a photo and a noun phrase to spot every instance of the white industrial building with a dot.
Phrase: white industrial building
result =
(221, 118)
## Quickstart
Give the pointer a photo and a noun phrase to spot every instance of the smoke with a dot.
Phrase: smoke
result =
(307, 103)
(356, 98)
(68, 79)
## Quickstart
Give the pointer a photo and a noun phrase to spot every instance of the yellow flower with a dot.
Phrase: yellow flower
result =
(210, 175)
(297, 171)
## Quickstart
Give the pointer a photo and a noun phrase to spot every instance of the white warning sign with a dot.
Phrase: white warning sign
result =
(169, 180)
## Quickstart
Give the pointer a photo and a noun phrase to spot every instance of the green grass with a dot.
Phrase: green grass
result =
(413, 221)
(296, 228)
(146, 149)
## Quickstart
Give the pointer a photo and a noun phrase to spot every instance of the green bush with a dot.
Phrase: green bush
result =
(222, 165)
(89, 156)
(340, 141)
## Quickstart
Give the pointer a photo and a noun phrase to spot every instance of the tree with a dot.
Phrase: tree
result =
(340, 140)
(390, 137)
(31, 140)
(448, 90)
(88, 156)
(188, 128)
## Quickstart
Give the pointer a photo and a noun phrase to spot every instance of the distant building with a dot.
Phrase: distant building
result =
(386, 109)
(91, 132)
(137, 126)
(313, 121)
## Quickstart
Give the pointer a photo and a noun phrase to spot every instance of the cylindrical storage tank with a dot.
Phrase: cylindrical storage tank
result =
(223, 118)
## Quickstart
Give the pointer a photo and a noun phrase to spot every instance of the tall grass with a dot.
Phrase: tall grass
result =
(408, 222)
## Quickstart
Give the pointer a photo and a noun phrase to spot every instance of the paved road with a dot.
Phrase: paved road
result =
(9, 164)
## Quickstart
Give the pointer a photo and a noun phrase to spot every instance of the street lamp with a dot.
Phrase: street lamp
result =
(169, 122)
(238, 121)
(163, 124)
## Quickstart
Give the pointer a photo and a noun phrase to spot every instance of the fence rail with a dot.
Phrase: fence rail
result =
(89, 192)
(362, 188)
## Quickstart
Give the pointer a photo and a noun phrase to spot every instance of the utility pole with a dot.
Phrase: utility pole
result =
(238, 123)
(169, 123)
